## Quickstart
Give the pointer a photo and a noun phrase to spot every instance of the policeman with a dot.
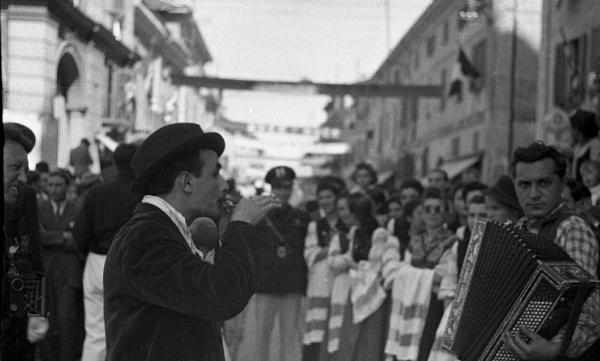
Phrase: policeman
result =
(281, 289)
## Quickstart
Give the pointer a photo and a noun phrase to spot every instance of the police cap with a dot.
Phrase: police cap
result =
(280, 175)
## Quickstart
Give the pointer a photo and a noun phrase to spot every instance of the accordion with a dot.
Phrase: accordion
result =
(509, 279)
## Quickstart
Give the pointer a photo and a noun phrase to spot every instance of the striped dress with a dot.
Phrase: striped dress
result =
(340, 264)
(320, 280)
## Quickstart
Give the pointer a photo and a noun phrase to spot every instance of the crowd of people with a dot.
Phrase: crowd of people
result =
(157, 265)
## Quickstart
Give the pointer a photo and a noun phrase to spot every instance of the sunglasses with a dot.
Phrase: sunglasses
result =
(432, 209)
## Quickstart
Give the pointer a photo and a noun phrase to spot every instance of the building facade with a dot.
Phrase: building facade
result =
(58, 60)
(569, 74)
(487, 108)
(170, 41)
(84, 69)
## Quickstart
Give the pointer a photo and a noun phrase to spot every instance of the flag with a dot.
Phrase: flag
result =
(465, 65)
(463, 70)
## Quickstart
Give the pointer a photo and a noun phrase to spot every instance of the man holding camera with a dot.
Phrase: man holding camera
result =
(21, 254)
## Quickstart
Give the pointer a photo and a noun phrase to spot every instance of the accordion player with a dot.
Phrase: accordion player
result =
(512, 279)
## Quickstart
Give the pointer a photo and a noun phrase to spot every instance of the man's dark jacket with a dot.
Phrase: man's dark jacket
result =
(161, 302)
(107, 207)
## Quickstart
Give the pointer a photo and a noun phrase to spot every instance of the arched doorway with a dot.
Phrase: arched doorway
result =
(69, 95)
(67, 75)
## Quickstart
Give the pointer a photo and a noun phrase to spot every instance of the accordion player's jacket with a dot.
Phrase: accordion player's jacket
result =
(164, 303)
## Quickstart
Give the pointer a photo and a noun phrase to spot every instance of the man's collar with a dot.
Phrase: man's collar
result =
(595, 189)
(528, 222)
(166, 207)
(176, 217)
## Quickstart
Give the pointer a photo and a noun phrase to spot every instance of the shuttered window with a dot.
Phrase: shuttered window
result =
(478, 58)
(560, 74)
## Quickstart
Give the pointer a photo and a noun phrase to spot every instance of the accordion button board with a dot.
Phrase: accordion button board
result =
(509, 279)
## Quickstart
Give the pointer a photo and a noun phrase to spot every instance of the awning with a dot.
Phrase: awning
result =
(455, 168)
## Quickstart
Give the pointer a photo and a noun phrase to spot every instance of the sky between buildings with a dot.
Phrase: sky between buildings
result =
(318, 40)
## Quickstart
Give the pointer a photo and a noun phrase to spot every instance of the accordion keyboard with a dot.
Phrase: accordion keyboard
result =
(509, 279)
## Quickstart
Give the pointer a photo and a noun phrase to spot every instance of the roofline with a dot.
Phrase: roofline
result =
(433, 10)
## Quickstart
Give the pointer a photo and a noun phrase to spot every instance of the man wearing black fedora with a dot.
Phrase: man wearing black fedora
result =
(163, 301)
(501, 202)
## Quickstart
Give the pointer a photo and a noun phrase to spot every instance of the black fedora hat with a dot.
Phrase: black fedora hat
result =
(504, 192)
(167, 143)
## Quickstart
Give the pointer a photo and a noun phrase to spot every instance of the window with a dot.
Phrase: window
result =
(397, 76)
(404, 113)
(380, 138)
(595, 50)
(568, 72)
(417, 59)
(425, 162)
(455, 147)
(443, 80)
(431, 46)
(475, 142)
(413, 106)
(446, 33)
(478, 58)
(116, 14)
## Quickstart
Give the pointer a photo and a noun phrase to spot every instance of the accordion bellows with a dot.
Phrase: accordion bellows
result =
(509, 278)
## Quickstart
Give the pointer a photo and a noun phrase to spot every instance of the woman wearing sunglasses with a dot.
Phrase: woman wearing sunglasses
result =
(428, 250)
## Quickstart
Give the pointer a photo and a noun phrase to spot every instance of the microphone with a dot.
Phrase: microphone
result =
(205, 234)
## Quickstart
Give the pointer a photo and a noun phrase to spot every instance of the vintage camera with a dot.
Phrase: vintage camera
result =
(24, 287)
(26, 295)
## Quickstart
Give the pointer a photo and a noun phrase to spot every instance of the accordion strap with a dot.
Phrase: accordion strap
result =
(582, 293)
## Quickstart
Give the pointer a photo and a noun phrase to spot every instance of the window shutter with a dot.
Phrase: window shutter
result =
(595, 50)
(560, 71)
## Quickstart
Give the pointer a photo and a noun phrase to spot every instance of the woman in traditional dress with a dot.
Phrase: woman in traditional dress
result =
(427, 251)
(320, 276)
(357, 319)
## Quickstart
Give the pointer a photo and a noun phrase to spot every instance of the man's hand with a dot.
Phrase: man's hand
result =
(37, 327)
(252, 210)
(538, 348)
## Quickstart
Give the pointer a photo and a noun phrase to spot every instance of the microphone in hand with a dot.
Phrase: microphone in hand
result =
(205, 234)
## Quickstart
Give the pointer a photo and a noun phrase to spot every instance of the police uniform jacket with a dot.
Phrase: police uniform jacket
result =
(289, 273)
(164, 303)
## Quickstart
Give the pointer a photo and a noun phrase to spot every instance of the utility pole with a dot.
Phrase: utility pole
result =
(513, 83)
(387, 24)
